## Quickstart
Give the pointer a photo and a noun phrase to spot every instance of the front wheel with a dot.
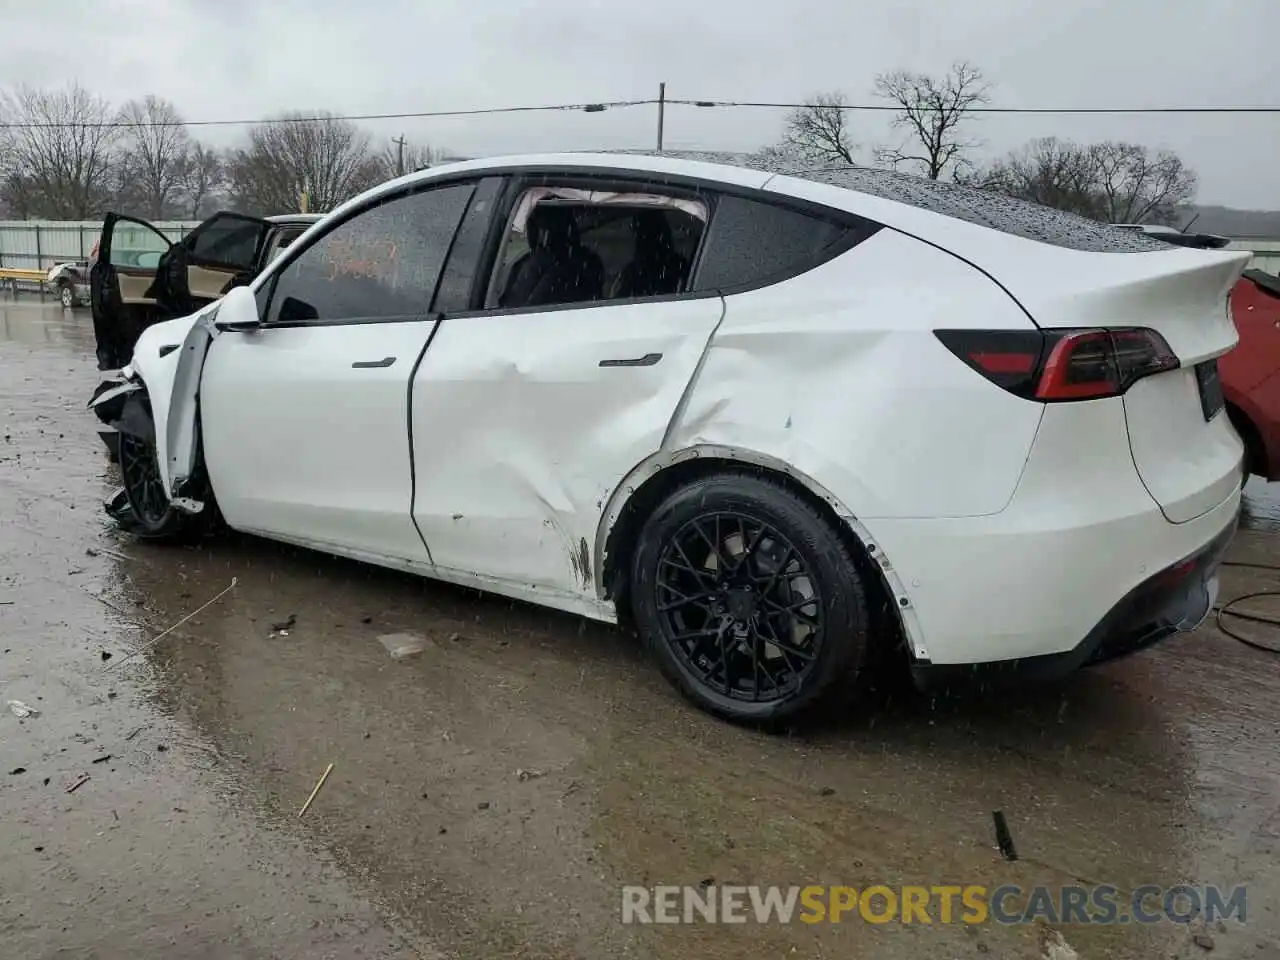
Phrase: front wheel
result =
(66, 295)
(153, 516)
(749, 600)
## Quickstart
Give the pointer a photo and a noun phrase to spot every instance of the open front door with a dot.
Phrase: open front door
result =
(122, 286)
(223, 252)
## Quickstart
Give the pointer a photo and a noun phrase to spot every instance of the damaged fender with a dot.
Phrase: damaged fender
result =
(167, 362)
(903, 609)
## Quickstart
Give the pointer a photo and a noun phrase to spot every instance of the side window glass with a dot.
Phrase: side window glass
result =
(752, 241)
(572, 245)
(136, 245)
(382, 264)
(226, 240)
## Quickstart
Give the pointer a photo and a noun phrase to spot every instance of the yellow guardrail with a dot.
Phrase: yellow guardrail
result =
(24, 274)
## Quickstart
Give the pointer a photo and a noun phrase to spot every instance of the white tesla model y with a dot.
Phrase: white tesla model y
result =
(781, 421)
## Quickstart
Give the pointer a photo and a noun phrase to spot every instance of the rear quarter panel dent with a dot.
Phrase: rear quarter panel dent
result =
(838, 373)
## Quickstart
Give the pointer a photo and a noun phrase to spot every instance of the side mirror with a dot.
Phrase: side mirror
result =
(238, 311)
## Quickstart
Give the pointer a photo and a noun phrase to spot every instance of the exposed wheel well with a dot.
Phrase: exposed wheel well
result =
(621, 542)
(1255, 456)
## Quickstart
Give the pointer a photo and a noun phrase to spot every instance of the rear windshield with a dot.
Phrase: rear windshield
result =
(1030, 221)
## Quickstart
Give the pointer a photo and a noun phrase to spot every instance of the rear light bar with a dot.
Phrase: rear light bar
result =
(1055, 365)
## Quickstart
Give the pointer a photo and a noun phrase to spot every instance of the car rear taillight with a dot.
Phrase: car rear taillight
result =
(1056, 365)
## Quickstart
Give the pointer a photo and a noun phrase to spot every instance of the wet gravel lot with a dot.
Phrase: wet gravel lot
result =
(490, 795)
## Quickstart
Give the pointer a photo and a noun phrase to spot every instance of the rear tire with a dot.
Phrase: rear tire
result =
(750, 602)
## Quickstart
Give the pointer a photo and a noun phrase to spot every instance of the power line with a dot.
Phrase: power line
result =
(896, 108)
(600, 106)
(421, 114)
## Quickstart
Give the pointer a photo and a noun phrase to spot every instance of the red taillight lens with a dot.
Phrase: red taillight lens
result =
(1056, 365)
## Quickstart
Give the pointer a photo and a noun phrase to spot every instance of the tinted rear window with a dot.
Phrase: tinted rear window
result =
(752, 242)
(1031, 221)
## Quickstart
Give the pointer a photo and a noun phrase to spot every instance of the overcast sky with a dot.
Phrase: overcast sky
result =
(237, 58)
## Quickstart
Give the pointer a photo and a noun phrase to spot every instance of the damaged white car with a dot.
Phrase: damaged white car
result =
(784, 423)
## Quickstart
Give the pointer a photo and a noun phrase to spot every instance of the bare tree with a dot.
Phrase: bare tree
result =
(154, 159)
(58, 154)
(1049, 171)
(327, 160)
(202, 176)
(400, 156)
(1137, 186)
(1113, 182)
(819, 131)
(933, 111)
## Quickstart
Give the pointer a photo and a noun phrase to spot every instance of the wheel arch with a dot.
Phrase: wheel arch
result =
(653, 479)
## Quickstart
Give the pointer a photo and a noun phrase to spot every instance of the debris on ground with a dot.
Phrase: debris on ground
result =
(21, 710)
(156, 639)
(78, 783)
(483, 805)
(402, 645)
(1004, 839)
(90, 552)
(106, 655)
(523, 775)
(1203, 941)
(102, 759)
(319, 783)
(285, 625)
(1054, 947)
(827, 792)
(17, 770)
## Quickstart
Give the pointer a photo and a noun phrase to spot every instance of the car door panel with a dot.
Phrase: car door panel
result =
(304, 395)
(121, 285)
(203, 266)
(525, 423)
(306, 442)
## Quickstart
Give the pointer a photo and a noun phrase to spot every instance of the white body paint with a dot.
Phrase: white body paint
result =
(1004, 528)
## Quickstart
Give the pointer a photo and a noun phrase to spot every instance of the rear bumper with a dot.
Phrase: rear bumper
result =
(1080, 538)
(1175, 600)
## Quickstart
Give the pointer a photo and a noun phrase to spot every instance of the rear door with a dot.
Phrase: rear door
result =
(122, 285)
(527, 417)
(222, 252)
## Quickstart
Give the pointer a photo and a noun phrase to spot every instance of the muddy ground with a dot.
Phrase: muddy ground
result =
(426, 842)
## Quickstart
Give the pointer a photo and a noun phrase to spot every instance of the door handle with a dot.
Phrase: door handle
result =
(648, 360)
(371, 364)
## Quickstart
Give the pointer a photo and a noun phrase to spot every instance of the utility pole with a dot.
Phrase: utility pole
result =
(662, 111)
(399, 142)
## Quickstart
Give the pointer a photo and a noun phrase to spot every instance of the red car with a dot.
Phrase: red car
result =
(1251, 372)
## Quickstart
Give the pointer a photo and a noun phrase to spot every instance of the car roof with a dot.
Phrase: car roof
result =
(896, 199)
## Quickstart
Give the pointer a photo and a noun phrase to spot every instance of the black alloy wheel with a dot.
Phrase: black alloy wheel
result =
(153, 515)
(142, 483)
(750, 601)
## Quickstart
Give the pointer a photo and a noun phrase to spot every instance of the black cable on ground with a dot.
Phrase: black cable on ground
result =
(1225, 609)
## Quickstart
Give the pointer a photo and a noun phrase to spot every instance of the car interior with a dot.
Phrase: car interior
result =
(569, 251)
